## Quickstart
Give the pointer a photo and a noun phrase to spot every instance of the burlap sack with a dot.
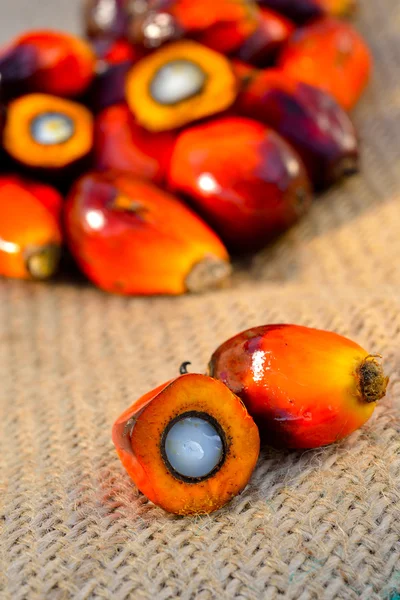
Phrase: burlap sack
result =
(321, 524)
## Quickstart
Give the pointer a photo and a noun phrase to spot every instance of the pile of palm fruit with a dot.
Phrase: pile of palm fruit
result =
(175, 135)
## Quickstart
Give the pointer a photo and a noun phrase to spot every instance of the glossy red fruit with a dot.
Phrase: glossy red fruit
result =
(331, 55)
(130, 237)
(114, 59)
(30, 231)
(120, 143)
(304, 387)
(51, 62)
(272, 32)
(310, 119)
(243, 177)
(47, 195)
(229, 32)
(226, 24)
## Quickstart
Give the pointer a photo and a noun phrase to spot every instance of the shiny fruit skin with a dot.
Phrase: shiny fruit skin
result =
(230, 32)
(46, 195)
(261, 47)
(201, 15)
(242, 177)
(50, 62)
(137, 436)
(329, 54)
(225, 24)
(29, 221)
(302, 386)
(308, 118)
(120, 143)
(130, 237)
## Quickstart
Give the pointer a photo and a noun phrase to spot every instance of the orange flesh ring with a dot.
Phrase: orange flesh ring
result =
(142, 456)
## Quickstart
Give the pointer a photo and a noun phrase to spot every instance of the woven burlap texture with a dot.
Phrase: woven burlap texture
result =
(321, 524)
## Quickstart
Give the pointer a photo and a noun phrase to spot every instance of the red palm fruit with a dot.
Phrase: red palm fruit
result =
(30, 232)
(272, 32)
(303, 387)
(189, 445)
(242, 177)
(330, 55)
(228, 34)
(307, 117)
(114, 59)
(50, 62)
(305, 10)
(167, 20)
(130, 237)
(120, 143)
(196, 16)
(46, 195)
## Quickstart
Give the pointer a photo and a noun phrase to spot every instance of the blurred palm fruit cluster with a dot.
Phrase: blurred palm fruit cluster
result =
(173, 136)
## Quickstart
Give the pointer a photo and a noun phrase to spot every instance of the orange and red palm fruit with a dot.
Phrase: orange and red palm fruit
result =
(308, 118)
(48, 135)
(130, 237)
(330, 55)
(242, 177)
(227, 35)
(114, 59)
(30, 232)
(51, 62)
(304, 387)
(228, 23)
(260, 47)
(179, 83)
(302, 11)
(151, 447)
(121, 144)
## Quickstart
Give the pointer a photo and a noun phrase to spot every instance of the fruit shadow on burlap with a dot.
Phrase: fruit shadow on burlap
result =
(311, 525)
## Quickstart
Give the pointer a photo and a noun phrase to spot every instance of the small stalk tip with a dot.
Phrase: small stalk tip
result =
(183, 368)
(208, 273)
(42, 262)
(373, 381)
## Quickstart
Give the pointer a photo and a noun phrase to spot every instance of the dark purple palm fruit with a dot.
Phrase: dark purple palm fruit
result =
(114, 59)
(308, 118)
(299, 11)
(302, 11)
